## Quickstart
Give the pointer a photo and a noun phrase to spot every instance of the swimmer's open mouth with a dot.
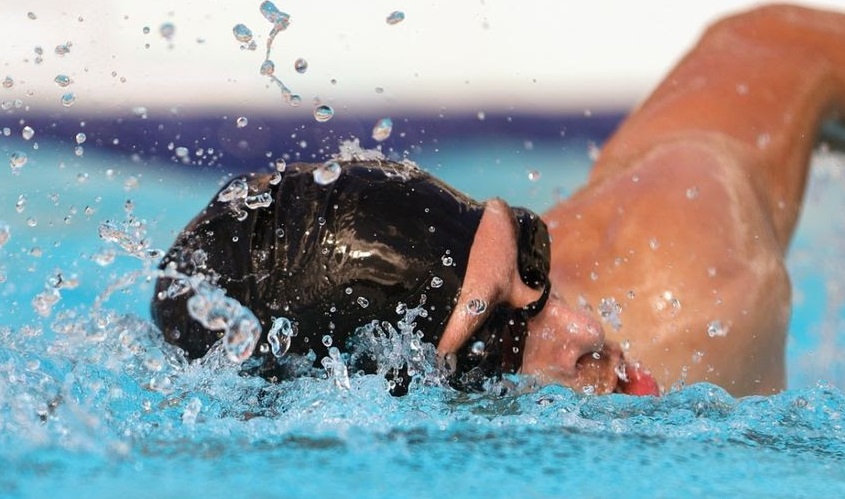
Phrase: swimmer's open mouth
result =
(638, 381)
(607, 371)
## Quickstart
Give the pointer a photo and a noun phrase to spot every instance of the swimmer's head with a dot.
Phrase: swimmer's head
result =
(334, 256)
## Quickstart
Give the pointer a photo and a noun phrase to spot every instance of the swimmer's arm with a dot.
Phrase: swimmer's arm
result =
(762, 82)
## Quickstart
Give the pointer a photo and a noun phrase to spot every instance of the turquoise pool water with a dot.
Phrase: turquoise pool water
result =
(93, 404)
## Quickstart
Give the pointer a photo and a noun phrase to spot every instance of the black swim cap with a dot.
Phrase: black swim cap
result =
(333, 248)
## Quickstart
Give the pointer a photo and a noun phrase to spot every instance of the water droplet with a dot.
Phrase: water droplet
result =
(63, 49)
(280, 233)
(43, 302)
(280, 164)
(237, 189)
(146, 30)
(481, 115)
(653, 243)
(80, 138)
(68, 99)
(240, 341)
(692, 193)
(610, 310)
(382, 129)
(267, 68)
(395, 17)
(327, 173)
(5, 233)
(178, 287)
(167, 30)
(447, 261)
(327, 340)
(363, 302)
(17, 160)
(279, 336)
(436, 282)
(478, 348)
(241, 122)
(716, 328)
(262, 200)
(192, 410)
(31, 15)
(242, 33)
(533, 175)
(270, 12)
(8, 82)
(348, 291)
(476, 306)
(593, 151)
(27, 132)
(323, 113)
(300, 65)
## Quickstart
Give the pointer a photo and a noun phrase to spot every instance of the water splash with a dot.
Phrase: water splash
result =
(336, 369)
(351, 150)
(217, 312)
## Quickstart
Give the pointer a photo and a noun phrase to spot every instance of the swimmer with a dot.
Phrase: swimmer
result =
(680, 234)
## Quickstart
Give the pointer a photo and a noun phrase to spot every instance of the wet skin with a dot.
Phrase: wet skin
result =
(689, 210)
(683, 224)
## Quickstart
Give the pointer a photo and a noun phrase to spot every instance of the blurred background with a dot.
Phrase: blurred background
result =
(485, 55)
(474, 67)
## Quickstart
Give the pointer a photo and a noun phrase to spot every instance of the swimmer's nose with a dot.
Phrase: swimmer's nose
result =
(558, 337)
